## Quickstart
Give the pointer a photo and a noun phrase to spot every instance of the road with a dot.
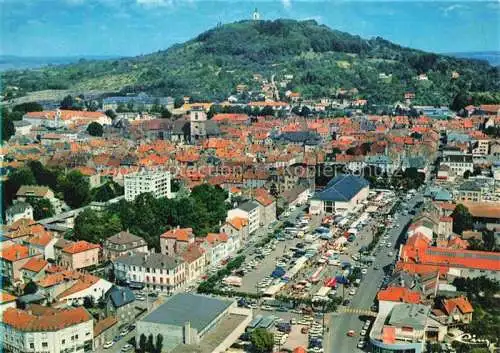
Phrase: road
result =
(337, 341)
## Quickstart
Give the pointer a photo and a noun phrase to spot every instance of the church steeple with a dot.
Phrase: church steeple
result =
(256, 15)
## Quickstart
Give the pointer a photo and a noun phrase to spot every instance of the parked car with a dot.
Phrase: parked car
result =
(108, 344)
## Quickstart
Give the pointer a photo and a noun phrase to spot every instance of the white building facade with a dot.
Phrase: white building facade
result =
(155, 182)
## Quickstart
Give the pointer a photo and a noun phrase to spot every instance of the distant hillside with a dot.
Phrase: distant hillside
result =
(320, 59)
(493, 57)
(13, 62)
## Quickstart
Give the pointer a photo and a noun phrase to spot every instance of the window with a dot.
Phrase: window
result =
(45, 344)
(32, 345)
(63, 341)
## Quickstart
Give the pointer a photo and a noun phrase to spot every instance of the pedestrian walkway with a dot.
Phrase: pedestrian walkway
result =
(357, 311)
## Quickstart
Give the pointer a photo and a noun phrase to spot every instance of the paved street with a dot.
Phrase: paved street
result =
(337, 341)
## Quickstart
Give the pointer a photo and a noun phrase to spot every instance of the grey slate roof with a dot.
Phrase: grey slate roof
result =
(150, 260)
(120, 296)
(341, 188)
(199, 310)
(123, 238)
(458, 158)
(248, 206)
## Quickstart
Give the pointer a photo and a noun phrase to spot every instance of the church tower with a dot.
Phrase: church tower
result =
(256, 15)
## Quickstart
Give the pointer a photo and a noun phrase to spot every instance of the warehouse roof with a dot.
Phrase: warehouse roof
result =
(342, 188)
(199, 310)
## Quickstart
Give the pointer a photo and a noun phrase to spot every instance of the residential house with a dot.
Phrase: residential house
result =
(458, 310)
(85, 286)
(458, 164)
(33, 191)
(195, 262)
(248, 210)
(158, 272)
(267, 207)
(42, 242)
(13, 259)
(175, 241)
(7, 300)
(34, 269)
(59, 246)
(236, 227)
(80, 254)
(120, 303)
(19, 210)
(47, 330)
(123, 243)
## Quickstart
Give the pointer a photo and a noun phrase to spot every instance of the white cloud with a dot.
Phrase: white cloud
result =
(286, 3)
(447, 10)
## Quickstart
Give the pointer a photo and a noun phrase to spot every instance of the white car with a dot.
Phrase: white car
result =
(352, 291)
(390, 254)
(108, 344)
(389, 245)
(363, 333)
(364, 271)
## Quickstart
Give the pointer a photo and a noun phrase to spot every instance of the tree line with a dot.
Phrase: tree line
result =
(204, 210)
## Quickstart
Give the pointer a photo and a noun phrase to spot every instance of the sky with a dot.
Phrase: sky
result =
(133, 27)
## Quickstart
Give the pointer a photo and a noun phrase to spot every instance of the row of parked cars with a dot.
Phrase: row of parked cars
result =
(125, 331)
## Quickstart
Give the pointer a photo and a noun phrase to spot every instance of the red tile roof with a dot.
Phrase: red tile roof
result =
(28, 322)
(84, 282)
(6, 297)
(238, 222)
(14, 253)
(80, 246)
(35, 265)
(399, 294)
(461, 303)
(180, 234)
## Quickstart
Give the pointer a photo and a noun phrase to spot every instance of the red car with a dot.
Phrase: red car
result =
(351, 333)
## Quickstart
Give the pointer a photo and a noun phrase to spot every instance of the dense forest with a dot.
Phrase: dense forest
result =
(320, 59)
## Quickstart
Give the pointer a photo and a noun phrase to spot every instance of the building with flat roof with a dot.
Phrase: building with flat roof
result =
(190, 322)
(156, 182)
(405, 328)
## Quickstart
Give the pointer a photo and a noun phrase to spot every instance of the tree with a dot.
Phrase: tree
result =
(159, 343)
(111, 114)
(267, 111)
(95, 129)
(150, 344)
(88, 302)
(42, 208)
(178, 102)
(8, 129)
(460, 101)
(462, 219)
(467, 174)
(489, 240)
(93, 227)
(262, 340)
(15, 180)
(76, 189)
(165, 113)
(67, 102)
(305, 111)
(142, 343)
(30, 288)
(28, 107)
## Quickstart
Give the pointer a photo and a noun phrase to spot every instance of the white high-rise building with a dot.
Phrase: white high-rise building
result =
(155, 182)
